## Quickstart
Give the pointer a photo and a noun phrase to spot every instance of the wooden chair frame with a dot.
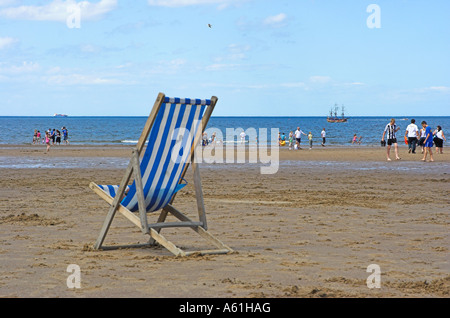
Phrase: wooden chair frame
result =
(133, 171)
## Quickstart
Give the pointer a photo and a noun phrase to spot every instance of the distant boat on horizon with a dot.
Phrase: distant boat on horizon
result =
(333, 117)
(60, 115)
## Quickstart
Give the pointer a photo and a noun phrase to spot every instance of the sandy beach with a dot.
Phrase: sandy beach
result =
(309, 230)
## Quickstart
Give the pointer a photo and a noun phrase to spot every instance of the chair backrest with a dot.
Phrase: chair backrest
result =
(168, 150)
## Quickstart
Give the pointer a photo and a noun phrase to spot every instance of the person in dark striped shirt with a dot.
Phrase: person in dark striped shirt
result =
(390, 131)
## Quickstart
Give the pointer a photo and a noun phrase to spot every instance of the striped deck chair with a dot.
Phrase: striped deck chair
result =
(172, 131)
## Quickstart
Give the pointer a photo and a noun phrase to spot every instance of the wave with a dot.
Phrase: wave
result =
(130, 141)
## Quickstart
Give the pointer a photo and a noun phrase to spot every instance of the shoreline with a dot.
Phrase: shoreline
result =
(117, 157)
(317, 153)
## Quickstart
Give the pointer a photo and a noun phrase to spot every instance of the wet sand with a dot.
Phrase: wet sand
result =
(309, 230)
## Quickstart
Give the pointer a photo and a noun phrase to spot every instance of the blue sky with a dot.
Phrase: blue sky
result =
(260, 57)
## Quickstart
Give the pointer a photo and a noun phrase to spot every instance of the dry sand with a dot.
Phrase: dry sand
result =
(310, 230)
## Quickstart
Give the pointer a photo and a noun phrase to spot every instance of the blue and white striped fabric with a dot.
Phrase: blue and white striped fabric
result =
(168, 149)
(191, 101)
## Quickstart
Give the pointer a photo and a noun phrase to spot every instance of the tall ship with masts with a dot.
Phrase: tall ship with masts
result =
(334, 118)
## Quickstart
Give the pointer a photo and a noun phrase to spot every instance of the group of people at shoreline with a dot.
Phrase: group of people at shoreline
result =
(424, 137)
(51, 137)
(295, 138)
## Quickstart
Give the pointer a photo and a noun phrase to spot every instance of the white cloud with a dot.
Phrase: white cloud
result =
(293, 85)
(235, 52)
(7, 42)
(24, 67)
(275, 20)
(183, 3)
(54, 70)
(238, 48)
(80, 79)
(59, 10)
(126, 65)
(320, 79)
(32, 72)
(442, 89)
(89, 48)
(223, 67)
(6, 2)
(162, 67)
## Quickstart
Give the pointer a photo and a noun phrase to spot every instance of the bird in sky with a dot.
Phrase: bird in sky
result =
(210, 26)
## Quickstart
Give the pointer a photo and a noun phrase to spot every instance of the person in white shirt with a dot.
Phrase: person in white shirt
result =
(298, 137)
(439, 139)
(422, 138)
(323, 134)
(412, 133)
(243, 137)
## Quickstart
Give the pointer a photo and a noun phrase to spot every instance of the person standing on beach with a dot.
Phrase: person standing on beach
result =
(323, 134)
(58, 137)
(412, 133)
(47, 140)
(428, 142)
(298, 137)
(283, 139)
(310, 138)
(291, 139)
(360, 140)
(65, 135)
(35, 137)
(390, 130)
(53, 136)
(204, 139)
(212, 140)
(422, 138)
(243, 135)
(439, 139)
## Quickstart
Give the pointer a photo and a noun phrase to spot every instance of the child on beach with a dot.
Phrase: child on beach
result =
(428, 142)
(47, 140)
(283, 139)
(291, 140)
(35, 137)
(360, 139)
(422, 138)
(310, 138)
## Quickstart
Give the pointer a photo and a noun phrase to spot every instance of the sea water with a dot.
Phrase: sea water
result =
(126, 130)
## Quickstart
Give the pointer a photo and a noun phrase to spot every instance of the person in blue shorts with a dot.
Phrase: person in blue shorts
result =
(428, 142)
(65, 135)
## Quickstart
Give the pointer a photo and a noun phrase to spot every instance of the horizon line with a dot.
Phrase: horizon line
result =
(226, 116)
